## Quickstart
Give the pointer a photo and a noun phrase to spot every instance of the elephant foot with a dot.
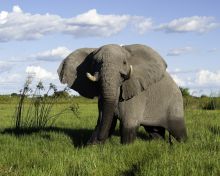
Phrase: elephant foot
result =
(128, 135)
(177, 129)
(95, 142)
(94, 139)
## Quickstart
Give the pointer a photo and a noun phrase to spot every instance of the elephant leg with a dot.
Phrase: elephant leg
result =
(175, 121)
(155, 132)
(94, 137)
(113, 125)
(177, 129)
(128, 133)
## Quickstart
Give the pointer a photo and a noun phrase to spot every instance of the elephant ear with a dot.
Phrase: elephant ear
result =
(72, 71)
(148, 68)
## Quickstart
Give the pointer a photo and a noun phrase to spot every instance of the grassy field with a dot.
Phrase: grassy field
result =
(61, 150)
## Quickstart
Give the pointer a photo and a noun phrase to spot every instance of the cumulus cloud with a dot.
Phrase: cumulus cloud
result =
(198, 81)
(142, 24)
(17, 9)
(206, 77)
(179, 51)
(40, 73)
(19, 25)
(52, 55)
(93, 24)
(196, 78)
(199, 24)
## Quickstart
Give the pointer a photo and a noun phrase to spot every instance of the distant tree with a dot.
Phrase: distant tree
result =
(61, 94)
(184, 91)
(14, 94)
(204, 96)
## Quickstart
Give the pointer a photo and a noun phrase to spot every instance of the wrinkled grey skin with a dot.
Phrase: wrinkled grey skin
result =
(146, 96)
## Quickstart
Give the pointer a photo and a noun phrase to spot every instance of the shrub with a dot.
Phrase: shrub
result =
(204, 96)
(184, 91)
(61, 94)
(211, 104)
(14, 95)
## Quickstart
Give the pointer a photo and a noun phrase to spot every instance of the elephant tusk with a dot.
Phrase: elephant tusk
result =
(130, 71)
(94, 78)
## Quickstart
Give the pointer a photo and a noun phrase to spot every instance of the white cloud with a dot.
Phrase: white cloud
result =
(178, 80)
(52, 55)
(17, 9)
(10, 79)
(212, 50)
(93, 24)
(198, 24)
(19, 25)
(196, 78)
(142, 24)
(198, 81)
(179, 51)
(208, 78)
(3, 17)
(40, 73)
(5, 67)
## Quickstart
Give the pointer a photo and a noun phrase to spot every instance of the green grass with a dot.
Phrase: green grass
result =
(61, 150)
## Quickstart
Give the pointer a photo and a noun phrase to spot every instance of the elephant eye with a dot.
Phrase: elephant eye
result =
(124, 62)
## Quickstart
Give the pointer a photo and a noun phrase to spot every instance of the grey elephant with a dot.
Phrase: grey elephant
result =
(133, 86)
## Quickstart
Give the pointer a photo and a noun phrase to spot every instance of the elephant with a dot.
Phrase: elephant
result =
(132, 85)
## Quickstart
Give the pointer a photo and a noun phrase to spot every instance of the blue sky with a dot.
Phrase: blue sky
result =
(36, 35)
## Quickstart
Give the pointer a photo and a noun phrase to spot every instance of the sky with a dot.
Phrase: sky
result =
(35, 36)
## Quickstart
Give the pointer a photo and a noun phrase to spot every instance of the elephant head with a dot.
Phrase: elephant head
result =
(106, 70)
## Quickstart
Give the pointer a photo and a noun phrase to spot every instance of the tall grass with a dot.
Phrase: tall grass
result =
(202, 103)
(38, 113)
(19, 110)
(59, 150)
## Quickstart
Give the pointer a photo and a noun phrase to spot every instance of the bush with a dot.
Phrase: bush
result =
(14, 95)
(204, 96)
(184, 91)
(211, 104)
(61, 94)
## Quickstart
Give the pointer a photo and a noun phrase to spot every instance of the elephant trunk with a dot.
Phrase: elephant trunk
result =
(108, 94)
